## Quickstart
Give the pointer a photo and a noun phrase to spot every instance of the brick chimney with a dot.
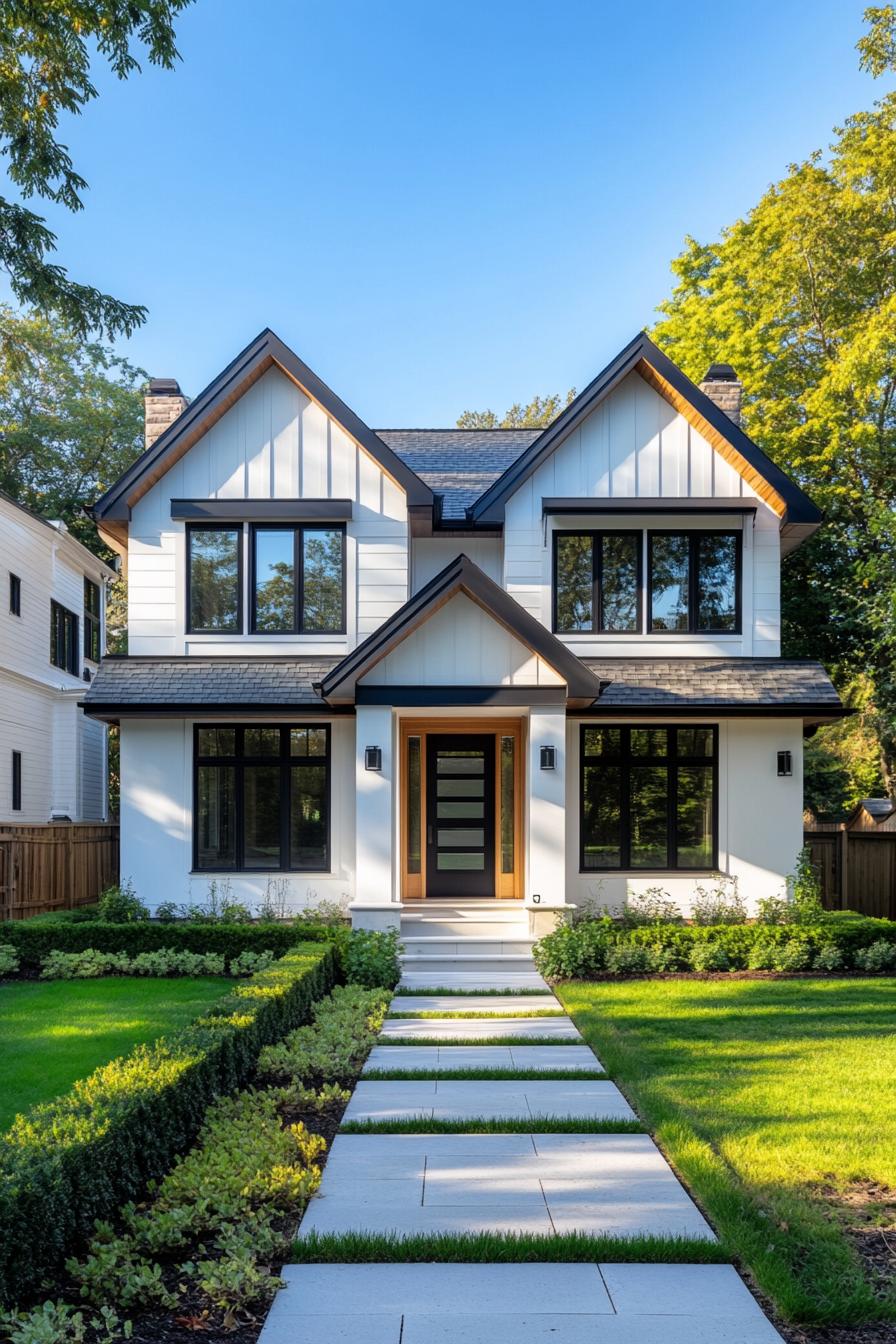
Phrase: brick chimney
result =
(723, 386)
(162, 404)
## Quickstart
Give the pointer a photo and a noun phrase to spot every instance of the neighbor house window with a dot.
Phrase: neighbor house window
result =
(648, 798)
(694, 582)
(15, 595)
(63, 638)
(597, 582)
(214, 580)
(262, 798)
(298, 580)
(91, 620)
(16, 781)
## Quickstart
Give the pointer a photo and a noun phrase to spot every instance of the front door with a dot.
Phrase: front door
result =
(460, 811)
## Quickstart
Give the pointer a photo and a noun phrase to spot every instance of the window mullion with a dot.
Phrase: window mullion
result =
(299, 565)
(625, 800)
(693, 582)
(285, 799)
(597, 583)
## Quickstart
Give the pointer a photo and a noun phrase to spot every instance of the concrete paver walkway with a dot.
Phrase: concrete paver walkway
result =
(493, 1005)
(520, 1100)
(462, 1028)
(521, 1058)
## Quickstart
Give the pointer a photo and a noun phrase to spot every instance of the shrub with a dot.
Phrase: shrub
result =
(626, 959)
(653, 906)
(794, 955)
(880, 956)
(707, 956)
(249, 963)
(84, 965)
(121, 905)
(572, 951)
(371, 958)
(9, 959)
(58, 1323)
(828, 959)
(73, 1160)
(719, 904)
(334, 1048)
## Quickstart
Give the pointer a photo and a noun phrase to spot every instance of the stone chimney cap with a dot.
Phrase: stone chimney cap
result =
(720, 373)
(164, 387)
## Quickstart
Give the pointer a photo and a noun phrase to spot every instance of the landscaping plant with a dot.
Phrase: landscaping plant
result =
(372, 958)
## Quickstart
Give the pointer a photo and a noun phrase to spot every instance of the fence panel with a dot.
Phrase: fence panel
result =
(55, 867)
(857, 870)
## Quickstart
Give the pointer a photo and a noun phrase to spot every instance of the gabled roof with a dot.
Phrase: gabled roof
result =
(265, 352)
(458, 465)
(788, 501)
(463, 576)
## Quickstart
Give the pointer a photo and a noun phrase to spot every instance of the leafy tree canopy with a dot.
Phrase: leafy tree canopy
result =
(800, 296)
(536, 415)
(45, 48)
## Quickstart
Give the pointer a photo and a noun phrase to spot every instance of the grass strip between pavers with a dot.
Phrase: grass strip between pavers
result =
(483, 1075)
(481, 1013)
(409, 992)
(535, 1124)
(479, 1040)
(360, 1248)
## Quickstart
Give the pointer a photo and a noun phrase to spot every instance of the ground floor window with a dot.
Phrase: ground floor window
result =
(262, 798)
(648, 798)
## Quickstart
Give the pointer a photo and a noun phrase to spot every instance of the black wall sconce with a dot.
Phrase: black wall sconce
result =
(549, 758)
(785, 763)
(373, 758)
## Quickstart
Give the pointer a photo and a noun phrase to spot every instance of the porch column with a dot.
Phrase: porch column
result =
(546, 818)
(375, 905)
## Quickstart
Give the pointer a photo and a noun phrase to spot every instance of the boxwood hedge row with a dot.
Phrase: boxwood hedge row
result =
(70, 1161)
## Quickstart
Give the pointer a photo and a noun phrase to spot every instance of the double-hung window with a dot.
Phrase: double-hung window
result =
(298, 580)
(262, 798)
(694, 582)
(648, 798)
(91, 620)
(597, 582)
(63, 638)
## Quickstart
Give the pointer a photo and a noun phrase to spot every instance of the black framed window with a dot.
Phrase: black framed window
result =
(597, 582)
(298, 580)
(648, 798)
(694, 582)
(16, 781)
(63, 638)
(261, 798)
(91, 620)
(214, 580)
(15, 595)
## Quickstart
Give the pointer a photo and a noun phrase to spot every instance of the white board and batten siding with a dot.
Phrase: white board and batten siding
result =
(274, 443)
(635, 445)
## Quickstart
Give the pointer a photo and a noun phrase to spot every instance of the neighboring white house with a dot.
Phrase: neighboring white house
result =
(52, 636)
(413, 665)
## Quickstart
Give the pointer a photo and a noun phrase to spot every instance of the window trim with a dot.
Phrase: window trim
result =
(57, 610)
(16, 781)
(672, 761)
(93, 622)
(596, 579)
(284, 760)
(15, 595)
(239, 530)
(298, 530)
(694, 536)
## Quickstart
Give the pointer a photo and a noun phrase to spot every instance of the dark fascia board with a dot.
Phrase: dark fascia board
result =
(416, 696)
(262, 510)
(461, 575)
(808, 712)
(111, 712)
(654, 505)
(267, 349)
(490, 506)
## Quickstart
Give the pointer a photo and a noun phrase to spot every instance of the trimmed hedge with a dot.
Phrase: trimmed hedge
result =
(34, 940)
(597, 946)
(73, 1160)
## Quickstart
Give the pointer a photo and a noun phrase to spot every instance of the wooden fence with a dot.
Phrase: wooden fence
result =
(857, 870)
(55, 867)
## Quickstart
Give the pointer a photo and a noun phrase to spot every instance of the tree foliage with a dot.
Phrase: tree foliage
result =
(539, 413)
(800, 296)
(45, 53)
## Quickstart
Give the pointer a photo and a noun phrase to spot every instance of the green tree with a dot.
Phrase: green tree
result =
(800, 296)
(536, 415)
(45, 53)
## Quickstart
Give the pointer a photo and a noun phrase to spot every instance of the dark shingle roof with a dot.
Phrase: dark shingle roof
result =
(458, 464)
(637, 683)
(271, 682)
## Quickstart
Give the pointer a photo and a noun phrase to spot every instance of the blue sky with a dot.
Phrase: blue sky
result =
(440, 206)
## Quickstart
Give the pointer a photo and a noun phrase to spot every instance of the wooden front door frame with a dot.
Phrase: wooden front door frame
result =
(508, 886)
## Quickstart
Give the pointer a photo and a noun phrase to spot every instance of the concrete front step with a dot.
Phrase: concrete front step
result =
(465, 980)
(452, 945)
(418, 926)
(483, 964)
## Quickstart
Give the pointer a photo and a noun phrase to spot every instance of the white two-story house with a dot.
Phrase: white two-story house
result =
(52, 637)
(411, 666)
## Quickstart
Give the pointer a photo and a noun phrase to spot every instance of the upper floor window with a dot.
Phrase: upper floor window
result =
(15, 595)
(597, 582)
(214, 580)
(91, 620)
(298, 580)
(694, 582)
(63, 638)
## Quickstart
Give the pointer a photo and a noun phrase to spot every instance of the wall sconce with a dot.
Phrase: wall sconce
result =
(373, 758)
(549, 758)
(536, 899)
(785, 763)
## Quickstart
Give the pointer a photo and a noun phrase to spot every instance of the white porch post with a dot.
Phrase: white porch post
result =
(375, 905)
(546, 817)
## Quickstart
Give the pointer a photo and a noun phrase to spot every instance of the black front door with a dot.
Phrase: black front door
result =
(460, 815)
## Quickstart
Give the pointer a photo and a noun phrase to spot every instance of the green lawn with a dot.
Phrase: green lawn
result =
(56, 1031)
(776, 1102)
